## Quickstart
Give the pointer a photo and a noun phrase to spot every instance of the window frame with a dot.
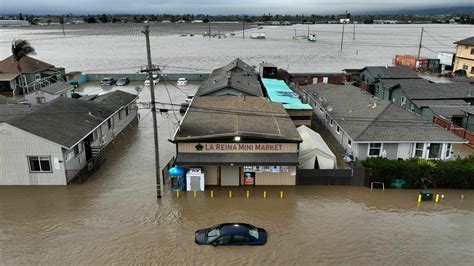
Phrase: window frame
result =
(338, 130)
(422, 149)
(349, 142)
(39, 158)
(369, 147)
(331, 122)
(403, 101)
(37, 77)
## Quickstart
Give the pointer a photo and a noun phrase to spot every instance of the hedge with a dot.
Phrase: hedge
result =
(420, 173)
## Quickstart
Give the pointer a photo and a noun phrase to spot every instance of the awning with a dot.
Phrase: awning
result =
(8, 77)
(285, 159)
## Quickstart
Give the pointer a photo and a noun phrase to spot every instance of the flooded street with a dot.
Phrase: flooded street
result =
(115, 218)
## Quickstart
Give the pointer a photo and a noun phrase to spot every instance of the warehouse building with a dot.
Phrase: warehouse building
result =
(238, 140)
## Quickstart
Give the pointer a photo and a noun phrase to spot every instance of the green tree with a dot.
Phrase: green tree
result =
(21, 49)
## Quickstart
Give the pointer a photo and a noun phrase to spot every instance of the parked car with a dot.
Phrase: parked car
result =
(231, 234)
(156, 79)
(122, 81)
(182, 82)
(107, 82)
(184, 107)
(189, 98)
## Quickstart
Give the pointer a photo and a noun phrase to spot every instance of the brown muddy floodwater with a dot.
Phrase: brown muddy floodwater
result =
(115, 218)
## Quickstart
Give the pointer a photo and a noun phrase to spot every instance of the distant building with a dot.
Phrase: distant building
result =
(49, 93)
(61, 141)
(345, 20)
(371, 75)
(465, 57)
(235, 79)
(27, 75)
(369, 127)
(14, 23)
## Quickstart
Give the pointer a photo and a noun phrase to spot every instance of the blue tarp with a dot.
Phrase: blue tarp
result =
(279, 92)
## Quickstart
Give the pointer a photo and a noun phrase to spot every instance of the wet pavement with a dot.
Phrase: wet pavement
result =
(114, 217)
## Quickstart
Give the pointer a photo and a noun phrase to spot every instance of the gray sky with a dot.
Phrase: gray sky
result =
(215, 6)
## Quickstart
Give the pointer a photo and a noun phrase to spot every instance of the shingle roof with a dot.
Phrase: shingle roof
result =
(117, 98)
(467, 41)
(422, 89)
(392, 72)
(56, 87)
(365, 118)
(11, 111)
(237, 75)
(446, 108)
(66, 121)
(27, 65)
(223, 117)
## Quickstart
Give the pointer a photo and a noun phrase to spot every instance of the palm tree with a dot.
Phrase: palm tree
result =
(20, 49)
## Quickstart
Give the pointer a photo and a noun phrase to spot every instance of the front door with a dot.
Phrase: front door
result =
(87, 147)
(230, 176)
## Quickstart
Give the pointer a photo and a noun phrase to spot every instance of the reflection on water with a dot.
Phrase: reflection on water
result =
(115, 217)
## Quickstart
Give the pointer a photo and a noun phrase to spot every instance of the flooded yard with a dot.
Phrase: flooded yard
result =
(115, 218)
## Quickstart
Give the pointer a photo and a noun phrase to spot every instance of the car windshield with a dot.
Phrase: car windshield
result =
(121, 79)
(213, 234)
(253, 232)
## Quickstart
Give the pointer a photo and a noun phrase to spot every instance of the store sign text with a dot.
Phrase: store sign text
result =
(241, 147)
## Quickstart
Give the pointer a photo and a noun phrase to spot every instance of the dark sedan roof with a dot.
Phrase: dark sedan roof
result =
(235, 229)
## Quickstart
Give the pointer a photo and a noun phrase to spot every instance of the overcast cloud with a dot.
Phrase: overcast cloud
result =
(214, 6)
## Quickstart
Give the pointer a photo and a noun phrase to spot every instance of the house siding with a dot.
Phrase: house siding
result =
(17, 145)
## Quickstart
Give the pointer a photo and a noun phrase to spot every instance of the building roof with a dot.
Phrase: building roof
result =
(391, 72)
(9, 112)
(57, 87)
(66, 121)
(237, 75)
(7, 100)
(422, 89)
(7, 76)
(467, 41)
(224, 117)
(279, 92)
(116, 98)
(367, 119)
(27, 65)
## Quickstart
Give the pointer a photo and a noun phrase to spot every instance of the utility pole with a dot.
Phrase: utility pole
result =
(421, 41)
(308, 31)
(150, 69)
(295, 34)
(342, 36)
(243, 28)
(209, 28)
(354, 32)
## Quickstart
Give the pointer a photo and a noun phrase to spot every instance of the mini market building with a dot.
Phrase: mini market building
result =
(238, 140)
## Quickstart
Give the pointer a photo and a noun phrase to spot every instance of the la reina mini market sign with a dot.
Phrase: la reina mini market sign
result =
(239, 147)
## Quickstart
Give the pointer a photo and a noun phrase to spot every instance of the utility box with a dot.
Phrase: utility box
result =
(426, 195)
(195, 179)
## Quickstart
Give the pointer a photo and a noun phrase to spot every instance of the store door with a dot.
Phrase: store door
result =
(230, 176)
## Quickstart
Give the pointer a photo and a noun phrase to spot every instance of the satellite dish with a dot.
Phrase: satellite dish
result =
(329, 108)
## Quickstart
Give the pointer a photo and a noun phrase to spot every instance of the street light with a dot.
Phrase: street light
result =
(237, 138)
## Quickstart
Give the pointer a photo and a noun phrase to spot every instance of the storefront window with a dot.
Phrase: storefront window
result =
(434, 151)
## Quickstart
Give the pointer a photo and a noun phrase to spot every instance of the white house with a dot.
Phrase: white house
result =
(57, 142)
(366, 126)
(49, 93)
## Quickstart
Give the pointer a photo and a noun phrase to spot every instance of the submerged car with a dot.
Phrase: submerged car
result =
(189, 98)
(182, 82)
(183, 107)
(107, 82)
(231, 234)
(122, 81)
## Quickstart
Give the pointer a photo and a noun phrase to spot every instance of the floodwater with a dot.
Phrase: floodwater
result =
(120, 48)
(115, 218)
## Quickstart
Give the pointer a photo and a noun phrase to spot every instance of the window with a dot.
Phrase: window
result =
(338, 130)
(37, 77)
(39, 164)
(94, 135)
(77, 149)
(412, 108)
(465, 67)
(327, 117)
(434, 151)
(375, 149)
(349, 142)
(120, 115)
(109, 123)
(321, 109)
(40, 100)
(213, 234)
(472, 70)
(449, 149)
(223, 240)
(239, 239)
(472, 50)
(403, 100)
(254, 232)
(127, 110)
(419, 150)
(331, 122)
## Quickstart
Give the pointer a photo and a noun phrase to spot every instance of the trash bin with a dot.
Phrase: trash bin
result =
(426, 195)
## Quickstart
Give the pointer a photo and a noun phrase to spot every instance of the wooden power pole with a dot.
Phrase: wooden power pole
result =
(421, 43)
(342, 36)
(150, 69)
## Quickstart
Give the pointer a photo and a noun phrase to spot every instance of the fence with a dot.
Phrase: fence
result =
(459, 131)
(349, 177)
